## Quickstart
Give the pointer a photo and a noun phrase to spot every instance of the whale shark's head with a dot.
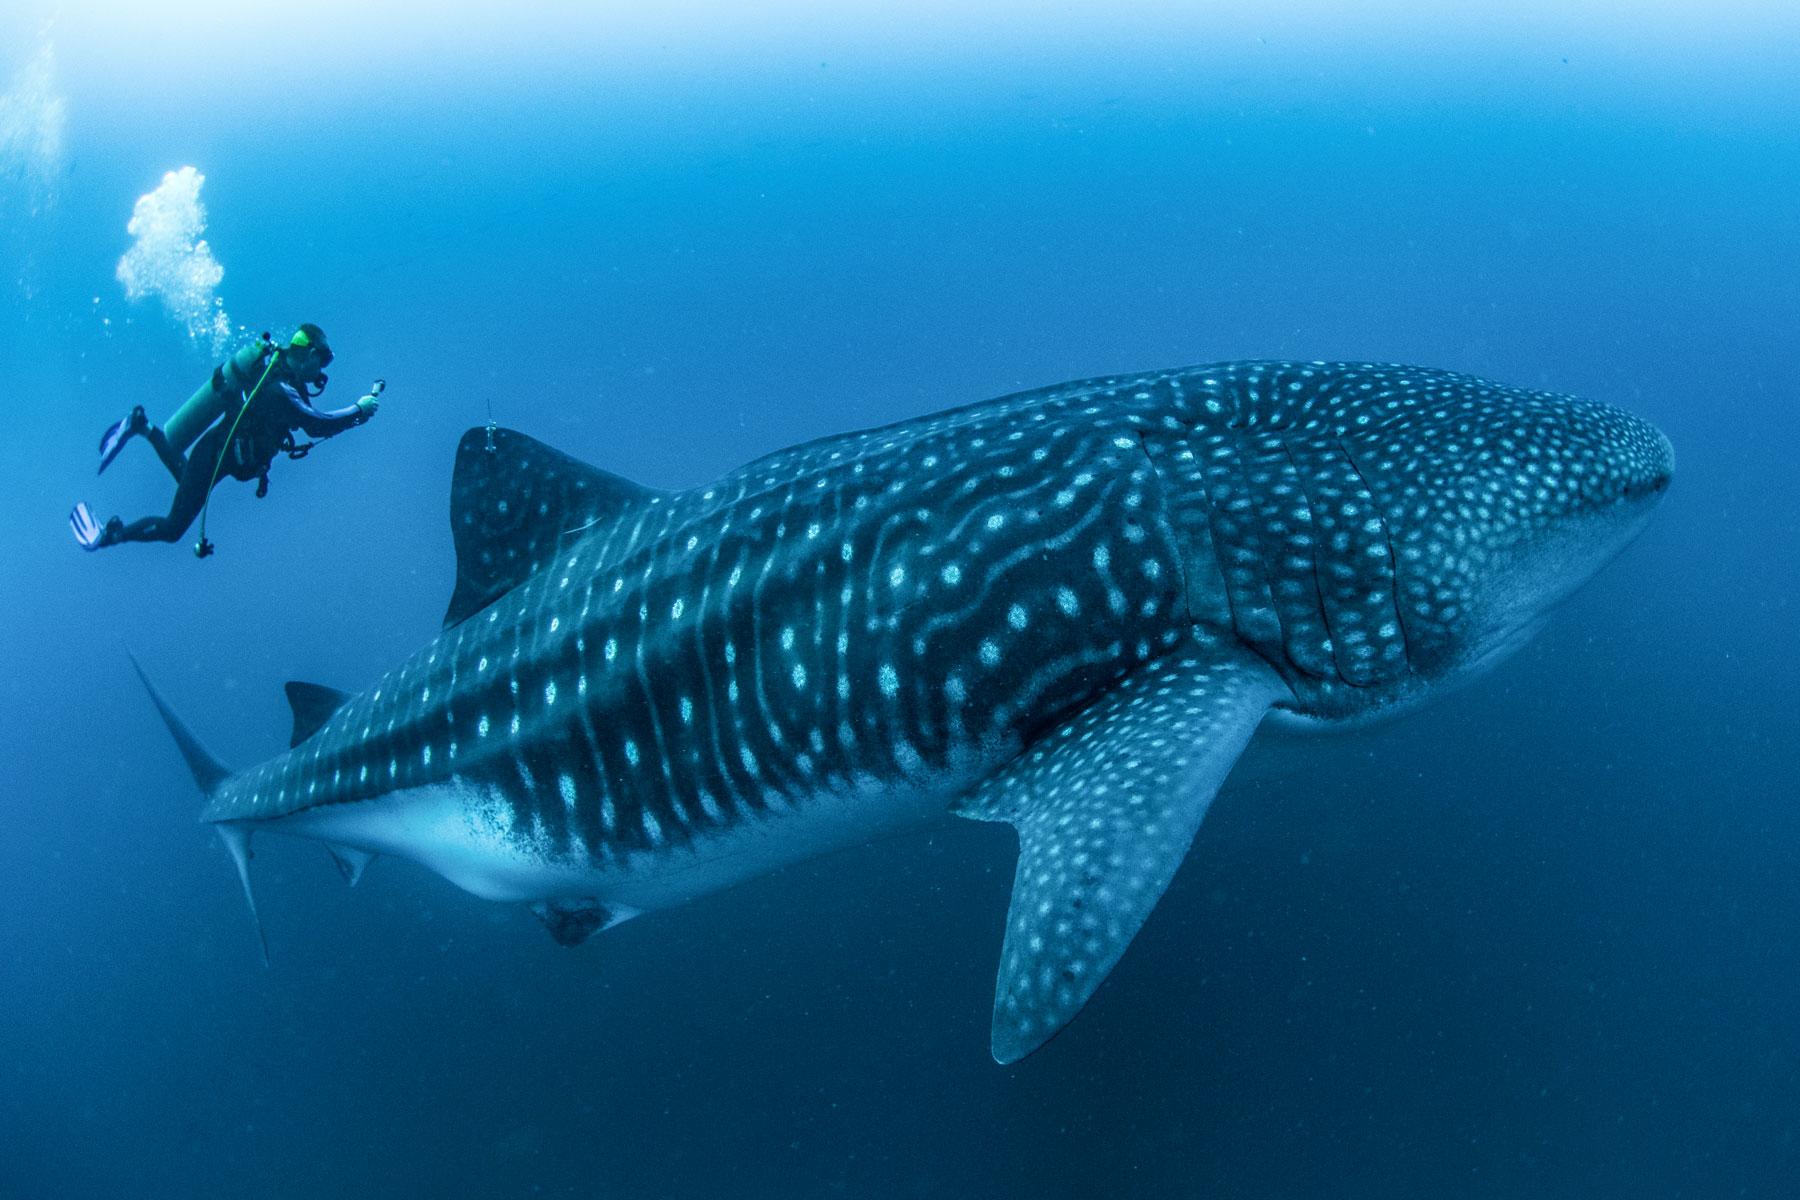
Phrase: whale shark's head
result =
(1378, 530)
(1498, 503)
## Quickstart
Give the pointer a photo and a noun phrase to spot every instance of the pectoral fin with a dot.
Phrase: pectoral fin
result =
(1106, 806)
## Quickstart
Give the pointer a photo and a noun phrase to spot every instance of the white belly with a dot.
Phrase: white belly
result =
(464, 834)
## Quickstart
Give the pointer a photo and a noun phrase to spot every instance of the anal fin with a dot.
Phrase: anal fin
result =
(1106, 806)
(350, 862)
(572, 922)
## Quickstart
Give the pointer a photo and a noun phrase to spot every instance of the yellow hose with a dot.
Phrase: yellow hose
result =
(202, 548)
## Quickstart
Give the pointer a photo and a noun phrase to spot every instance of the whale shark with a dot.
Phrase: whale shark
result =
(1068, 609)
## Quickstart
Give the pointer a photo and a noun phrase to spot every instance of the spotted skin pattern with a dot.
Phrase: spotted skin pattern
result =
(1106, 807)
(1067, 608)
(882, 606)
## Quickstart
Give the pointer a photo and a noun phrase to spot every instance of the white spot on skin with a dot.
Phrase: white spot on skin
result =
(890, 680)
(990, 653)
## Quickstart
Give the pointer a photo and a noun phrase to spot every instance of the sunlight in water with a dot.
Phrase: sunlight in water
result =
(31, 128)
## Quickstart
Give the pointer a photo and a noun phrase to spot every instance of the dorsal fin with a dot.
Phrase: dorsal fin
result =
(313, 704)
(512, 498)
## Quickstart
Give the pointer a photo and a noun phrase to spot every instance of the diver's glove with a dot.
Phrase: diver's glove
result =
(366, 405)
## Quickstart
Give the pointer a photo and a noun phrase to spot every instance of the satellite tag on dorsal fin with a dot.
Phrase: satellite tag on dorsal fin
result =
(313, 704)
(512, 498)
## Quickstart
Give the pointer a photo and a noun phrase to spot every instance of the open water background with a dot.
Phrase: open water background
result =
(1542, 940)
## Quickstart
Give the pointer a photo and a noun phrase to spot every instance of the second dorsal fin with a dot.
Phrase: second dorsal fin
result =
(512, 498)
(313, 704)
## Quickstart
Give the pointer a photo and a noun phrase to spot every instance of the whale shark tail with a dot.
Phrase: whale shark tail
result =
(209, 773)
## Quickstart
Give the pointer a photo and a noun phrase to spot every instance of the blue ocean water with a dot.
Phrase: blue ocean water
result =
(1538, 940)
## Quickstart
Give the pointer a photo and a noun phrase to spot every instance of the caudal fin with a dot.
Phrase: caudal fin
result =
(209, 773)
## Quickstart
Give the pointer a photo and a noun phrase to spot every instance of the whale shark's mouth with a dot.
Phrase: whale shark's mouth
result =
(1503, 647)
(1641, 470)
(1553, 567)
(1646, 488)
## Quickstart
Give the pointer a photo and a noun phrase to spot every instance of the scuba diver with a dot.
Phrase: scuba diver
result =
(236, 423)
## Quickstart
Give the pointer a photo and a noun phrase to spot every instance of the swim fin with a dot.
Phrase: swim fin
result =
(120, 432)
(89, 533)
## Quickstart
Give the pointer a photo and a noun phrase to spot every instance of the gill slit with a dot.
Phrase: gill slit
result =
(1387, 538)
(1169, 531)
(1318, 549)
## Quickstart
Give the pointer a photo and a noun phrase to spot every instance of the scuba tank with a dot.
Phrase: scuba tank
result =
(214, 397)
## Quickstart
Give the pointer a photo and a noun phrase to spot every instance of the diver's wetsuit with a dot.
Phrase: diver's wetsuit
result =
(276, 410)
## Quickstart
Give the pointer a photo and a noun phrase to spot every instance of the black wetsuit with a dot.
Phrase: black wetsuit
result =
(278, 409)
